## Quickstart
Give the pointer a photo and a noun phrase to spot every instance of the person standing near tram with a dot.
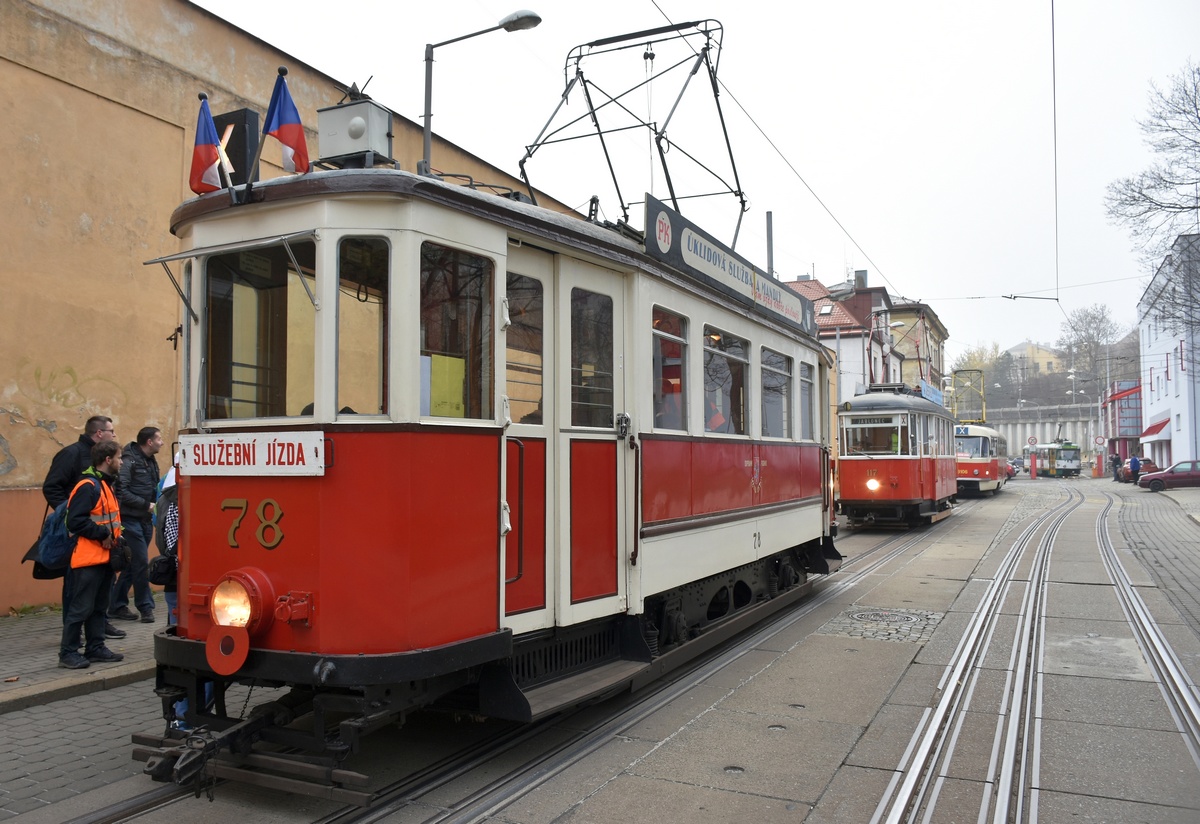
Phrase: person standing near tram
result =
(137, 490)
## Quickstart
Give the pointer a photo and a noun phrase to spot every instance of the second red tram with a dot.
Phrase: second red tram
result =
(982, 458)
(896, 459)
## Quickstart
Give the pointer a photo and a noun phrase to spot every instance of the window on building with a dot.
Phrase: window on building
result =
(456, 333)
(260, 332)
(669, 369)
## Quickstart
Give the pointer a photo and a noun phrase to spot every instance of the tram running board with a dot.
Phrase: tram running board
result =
(501, 698)
(938, 516)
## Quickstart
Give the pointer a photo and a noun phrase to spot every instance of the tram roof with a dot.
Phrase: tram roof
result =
(602, 241)
(892, 402)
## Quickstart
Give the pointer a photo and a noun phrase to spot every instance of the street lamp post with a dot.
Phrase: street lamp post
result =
(517, 21)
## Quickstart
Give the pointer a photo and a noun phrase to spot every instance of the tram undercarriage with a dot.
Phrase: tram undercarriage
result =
(298, 742)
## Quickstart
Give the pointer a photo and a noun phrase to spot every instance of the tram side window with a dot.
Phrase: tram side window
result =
(260, 332)
(523, 349)
(362, 326)
(669, 370)
(725, 359)
(456, 333)
(776, 395)
(806, 402)
(591, 359)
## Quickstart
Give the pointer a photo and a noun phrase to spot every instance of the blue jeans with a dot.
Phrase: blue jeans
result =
(137, 535)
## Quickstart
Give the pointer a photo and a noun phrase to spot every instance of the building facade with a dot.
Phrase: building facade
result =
(1168, 318)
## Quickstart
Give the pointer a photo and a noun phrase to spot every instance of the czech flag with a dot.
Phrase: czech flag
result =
(205, 176)
(283, 123)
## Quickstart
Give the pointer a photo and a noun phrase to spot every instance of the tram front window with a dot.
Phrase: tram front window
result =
(456, 333)
(971, 447)
(874, 436)
(259, 327)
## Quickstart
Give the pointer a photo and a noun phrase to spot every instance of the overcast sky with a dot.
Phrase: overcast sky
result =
(926, 129)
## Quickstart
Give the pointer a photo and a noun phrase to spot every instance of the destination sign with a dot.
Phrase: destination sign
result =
(254, 453)
(673, 239)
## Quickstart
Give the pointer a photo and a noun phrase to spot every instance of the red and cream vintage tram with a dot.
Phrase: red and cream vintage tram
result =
(896, 458)
(443, 448)
(981, 458)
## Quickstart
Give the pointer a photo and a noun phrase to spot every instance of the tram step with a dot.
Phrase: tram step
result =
(547, 698)
(500, 698)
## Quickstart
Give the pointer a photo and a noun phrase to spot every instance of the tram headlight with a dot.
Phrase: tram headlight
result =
(873, 484)
(241, 598)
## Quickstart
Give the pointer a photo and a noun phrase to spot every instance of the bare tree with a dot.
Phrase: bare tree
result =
(1086, 339)
(1163, 201)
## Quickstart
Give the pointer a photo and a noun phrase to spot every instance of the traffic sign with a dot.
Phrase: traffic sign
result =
(1032, 440)
(1099, 440)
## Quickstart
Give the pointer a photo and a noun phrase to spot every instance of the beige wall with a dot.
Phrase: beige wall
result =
(98, 105)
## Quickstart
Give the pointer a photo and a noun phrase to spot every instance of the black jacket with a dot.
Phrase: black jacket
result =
(65, 470)
(137, 485)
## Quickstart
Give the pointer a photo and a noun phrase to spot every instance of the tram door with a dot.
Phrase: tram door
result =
(591, 457)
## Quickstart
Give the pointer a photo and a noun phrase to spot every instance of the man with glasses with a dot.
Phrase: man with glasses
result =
(65, 471)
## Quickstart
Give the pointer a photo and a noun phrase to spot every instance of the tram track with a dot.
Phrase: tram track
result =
(913, 791)
(1013, 779)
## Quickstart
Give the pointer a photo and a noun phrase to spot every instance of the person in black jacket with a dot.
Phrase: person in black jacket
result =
(66, 468)
(137, 490)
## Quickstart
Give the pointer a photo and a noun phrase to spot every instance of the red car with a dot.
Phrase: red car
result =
(1184, 473)
(1147, 466)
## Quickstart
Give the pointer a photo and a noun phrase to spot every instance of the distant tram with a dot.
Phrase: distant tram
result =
(1057, 459)
(981, 455)
(896, 458)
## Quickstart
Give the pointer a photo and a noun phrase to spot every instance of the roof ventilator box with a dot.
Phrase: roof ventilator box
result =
(355, 135)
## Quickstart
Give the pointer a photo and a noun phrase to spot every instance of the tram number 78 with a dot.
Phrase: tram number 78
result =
(265, 525)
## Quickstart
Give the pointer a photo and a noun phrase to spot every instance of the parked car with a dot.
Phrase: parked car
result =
(1184, 473)
(1019, 463)
(1013, 469)
(1147, 467)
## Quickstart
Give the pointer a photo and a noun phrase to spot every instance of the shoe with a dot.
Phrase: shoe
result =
(148, 617)
(105, 656)
(181, 725)
(73, 660)
(112, 632)
(124, 613)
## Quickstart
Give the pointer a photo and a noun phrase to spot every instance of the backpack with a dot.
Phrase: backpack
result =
(56, 544)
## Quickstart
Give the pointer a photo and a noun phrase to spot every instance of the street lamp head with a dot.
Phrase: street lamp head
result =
(520, 20)
(517, 21)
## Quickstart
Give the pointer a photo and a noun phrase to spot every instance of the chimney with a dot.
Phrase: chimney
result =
(860, 278)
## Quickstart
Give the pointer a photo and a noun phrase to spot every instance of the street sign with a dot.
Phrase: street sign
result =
(1032, 440)
(1099, 440)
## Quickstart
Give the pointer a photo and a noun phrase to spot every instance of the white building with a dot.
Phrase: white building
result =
(1168, 326)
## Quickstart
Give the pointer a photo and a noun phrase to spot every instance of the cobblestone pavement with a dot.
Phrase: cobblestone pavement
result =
(1166, 539)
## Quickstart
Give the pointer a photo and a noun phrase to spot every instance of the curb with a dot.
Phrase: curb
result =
(74, 685)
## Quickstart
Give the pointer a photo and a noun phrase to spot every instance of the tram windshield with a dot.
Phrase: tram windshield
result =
(973, 446)
(876, 435)
(260, 331)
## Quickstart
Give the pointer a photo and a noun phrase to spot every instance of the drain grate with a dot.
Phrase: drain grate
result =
(877, 616)
(913, 626)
